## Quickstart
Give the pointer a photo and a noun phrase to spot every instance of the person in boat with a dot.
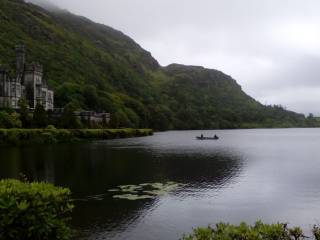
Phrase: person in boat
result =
(216, 137)
(201, 136)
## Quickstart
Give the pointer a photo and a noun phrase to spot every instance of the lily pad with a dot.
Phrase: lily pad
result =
(130, 188)
(133, 197)
(113, 190)
(145, 190)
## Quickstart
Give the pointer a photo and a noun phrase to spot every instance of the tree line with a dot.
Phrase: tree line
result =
(40, 118)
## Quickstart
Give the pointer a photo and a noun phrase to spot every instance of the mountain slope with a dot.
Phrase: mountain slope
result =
(96, 67)
(218, 102)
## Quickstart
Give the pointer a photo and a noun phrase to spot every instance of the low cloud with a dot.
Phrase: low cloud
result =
(272, 48)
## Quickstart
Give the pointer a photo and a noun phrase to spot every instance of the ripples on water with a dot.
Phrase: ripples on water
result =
(271, 175)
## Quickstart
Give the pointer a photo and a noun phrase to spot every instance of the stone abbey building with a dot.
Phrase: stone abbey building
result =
(27, 83)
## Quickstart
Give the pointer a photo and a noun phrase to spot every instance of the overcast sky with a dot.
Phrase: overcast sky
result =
(271, 47)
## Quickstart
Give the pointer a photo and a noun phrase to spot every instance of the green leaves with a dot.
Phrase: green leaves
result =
(9, 120)
(40, 117)
(22, 206)
(316, 232)
(49, 135)
(259, 231)
(33, 211)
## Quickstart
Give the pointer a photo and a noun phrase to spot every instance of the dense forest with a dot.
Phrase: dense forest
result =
(94, 67)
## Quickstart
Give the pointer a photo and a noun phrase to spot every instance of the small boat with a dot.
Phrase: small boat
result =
(207, 138)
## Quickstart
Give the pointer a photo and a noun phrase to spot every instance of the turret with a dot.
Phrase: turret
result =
(33, 83)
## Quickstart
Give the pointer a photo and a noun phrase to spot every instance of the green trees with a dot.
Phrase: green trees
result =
(119, 119)
(49, 135)
(91, 97)
(25, 118)
(68, 120)
(312, 121)
(9, 120)
(161, 117)
(40, 117)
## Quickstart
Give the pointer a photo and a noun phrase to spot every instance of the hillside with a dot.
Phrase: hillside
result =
(93, 66)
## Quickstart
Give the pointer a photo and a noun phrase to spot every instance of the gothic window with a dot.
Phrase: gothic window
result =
(18, 90)
(38, 92)
(38, 80)
(44, 96)
(13, 90)
(49, 97)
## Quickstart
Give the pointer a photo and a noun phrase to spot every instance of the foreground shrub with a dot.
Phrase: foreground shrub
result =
(259, 231)
(33, 211)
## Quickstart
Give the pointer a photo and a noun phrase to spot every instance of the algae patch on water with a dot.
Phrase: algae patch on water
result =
(144, 190)
(132, 197)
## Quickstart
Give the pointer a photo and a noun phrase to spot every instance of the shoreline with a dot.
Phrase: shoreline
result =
(21, 137)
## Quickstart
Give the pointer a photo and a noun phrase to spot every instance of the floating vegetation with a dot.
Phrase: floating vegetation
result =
(145, 190)
(113, 190)
(132, 197)
(130, 188)
(137, 192)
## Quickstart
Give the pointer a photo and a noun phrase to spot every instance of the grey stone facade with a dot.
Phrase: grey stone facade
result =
(27, 83)
(90, 117)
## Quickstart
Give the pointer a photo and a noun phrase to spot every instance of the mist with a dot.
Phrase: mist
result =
(272, 48)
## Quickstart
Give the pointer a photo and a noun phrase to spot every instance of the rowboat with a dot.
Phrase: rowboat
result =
(207, 138)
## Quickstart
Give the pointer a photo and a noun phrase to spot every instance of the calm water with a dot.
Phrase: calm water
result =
(273, 175)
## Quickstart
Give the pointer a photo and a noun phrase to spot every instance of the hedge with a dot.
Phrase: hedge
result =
(16, 137)
(259, 231)
(37, 211)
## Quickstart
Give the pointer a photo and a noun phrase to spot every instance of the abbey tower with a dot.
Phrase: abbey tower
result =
(28, 83)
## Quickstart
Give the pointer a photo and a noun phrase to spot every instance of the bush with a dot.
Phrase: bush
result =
(259, 231)
(40, 117)
(68, 120)
(33, 211)
(9, 120)
(17, 137)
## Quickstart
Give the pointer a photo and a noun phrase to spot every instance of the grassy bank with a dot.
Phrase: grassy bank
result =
(17, 137)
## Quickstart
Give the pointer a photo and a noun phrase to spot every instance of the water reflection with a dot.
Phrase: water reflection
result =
(92, 169)
(247, 175)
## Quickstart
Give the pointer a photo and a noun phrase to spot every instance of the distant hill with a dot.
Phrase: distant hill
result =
(93, 66)
(45, 4)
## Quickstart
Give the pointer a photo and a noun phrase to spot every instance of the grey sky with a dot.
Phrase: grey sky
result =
(271, 47)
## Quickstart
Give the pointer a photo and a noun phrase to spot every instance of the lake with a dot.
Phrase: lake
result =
(272, 175)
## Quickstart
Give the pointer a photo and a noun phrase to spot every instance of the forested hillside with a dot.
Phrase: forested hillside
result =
(93, 66)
